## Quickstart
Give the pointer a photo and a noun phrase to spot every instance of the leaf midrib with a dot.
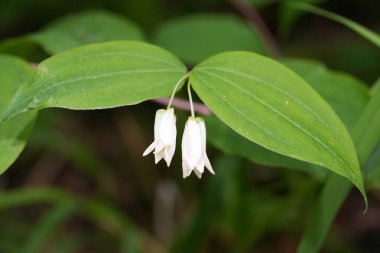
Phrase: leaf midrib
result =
(159, 60)
(120, 73)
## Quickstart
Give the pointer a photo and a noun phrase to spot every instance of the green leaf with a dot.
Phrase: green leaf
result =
(366, 136)
(15, 132)
(196, 37)
(230, 142)
(329, 84)
(269, 104)
(334, 192)
(363, 31)
(23, 47)
(192, 236)
(349, 104)
(45, 228)
(373, 168)
(86, 28)
(366, 133)
(103, 75)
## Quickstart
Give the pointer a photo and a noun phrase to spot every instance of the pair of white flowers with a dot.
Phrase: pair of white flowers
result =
(194, 157)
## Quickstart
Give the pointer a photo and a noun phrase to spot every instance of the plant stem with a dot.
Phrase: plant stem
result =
(183, 104)
(190, 100)
(250, 13)
(176, 87)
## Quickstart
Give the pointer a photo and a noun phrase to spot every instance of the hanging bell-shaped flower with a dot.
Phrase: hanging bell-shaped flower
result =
(165, 133)
(194, 157)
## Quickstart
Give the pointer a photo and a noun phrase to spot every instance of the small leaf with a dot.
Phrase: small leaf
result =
(86, 28)
(196, 37)
(99, 76)
(269, 104)
(13, 133)
(363, 31)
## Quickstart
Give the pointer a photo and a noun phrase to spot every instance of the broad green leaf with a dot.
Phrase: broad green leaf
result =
(86, 28)
(230, 142)
(366, 136)
(363, 31)
(102, 75)
(270, 105)
(329, 84)
(15, 132)
(196, 37)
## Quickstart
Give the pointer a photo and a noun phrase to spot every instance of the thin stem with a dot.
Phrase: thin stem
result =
(183, 104)
(176, 87)
(190, 100)
(250, 13)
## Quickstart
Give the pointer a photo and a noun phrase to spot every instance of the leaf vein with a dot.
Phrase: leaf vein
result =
(283, 116)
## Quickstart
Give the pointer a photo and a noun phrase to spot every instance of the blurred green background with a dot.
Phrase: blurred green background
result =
(82, 185)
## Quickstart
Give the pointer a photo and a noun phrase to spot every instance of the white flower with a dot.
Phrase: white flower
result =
(194, 155)
(165, 133)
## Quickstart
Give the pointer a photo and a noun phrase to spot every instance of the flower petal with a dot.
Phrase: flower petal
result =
(185, 169)
(167, 131)
(208, 165)
(200, 166)
(169, 153)
(159, 155)
(192, 143)
(198, 173)
(157, 122)
(149, 149)
(202, 127)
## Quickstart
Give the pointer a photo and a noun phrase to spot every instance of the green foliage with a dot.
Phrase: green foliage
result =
(73, 31)
(276, 113)
(349, 104)
(230, 142)
(336, 190)
(366, 33)
(250, 92)
(47, 226)
(196, 37)
(86, 28)
(97, 76)
(13, 133)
